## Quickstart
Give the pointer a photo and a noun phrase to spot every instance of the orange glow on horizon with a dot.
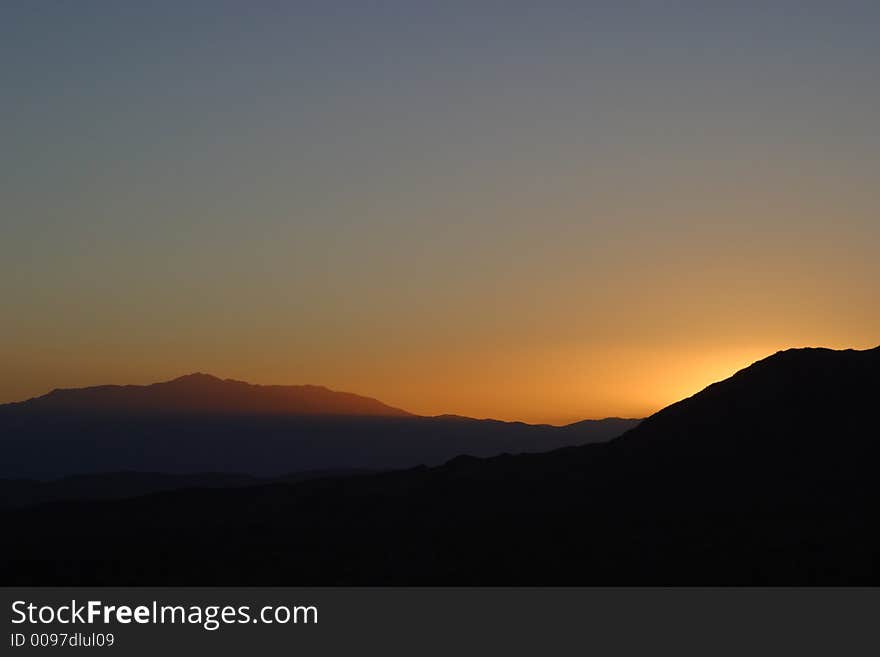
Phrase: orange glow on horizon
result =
(547, 387)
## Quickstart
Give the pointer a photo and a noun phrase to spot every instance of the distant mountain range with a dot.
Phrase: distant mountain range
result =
(768, 477)
(203, 393)
(201, 424)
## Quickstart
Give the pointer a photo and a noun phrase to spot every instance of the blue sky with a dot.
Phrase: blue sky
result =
(457, 207)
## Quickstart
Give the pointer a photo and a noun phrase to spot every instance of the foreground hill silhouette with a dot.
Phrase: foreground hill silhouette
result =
(200, 424)
(768, 477)
(120, 485)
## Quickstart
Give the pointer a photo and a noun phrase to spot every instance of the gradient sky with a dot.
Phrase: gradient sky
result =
(542, 211)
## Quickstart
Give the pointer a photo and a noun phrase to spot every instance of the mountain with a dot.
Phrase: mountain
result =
(198, 423)
(203, 393)
(768, 477)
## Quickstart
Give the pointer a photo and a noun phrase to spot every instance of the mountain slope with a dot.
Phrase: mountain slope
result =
(766, 478)
(120, 485)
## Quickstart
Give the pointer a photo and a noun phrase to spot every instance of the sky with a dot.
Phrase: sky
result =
(542, 211)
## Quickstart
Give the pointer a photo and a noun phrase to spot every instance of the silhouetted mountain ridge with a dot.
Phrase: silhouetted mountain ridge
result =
(203, 393)
(768, 477)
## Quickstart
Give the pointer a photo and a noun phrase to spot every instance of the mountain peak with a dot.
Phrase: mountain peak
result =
(197, 377)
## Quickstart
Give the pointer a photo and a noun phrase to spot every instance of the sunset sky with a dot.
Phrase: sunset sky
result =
(541, 211)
